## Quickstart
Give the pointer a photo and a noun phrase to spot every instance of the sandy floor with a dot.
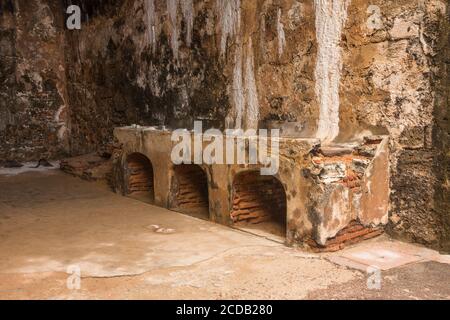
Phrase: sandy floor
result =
(53, 225)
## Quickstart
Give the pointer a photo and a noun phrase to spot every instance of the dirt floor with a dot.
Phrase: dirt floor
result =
(54, 226)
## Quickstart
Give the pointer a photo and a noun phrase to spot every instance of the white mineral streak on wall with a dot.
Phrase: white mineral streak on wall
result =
(229, 16)
(281, 35)
(251, 93)
(152, 20)
(331, 16)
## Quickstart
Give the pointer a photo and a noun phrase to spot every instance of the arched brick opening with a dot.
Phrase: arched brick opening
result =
(259, 203)
(139, 177)
(191, 191)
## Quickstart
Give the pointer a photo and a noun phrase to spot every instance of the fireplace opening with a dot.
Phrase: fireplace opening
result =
(139, 175)
(259, 205)
(191, 191)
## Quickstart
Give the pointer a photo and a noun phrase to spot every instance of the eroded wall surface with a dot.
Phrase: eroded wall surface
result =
(338, 70)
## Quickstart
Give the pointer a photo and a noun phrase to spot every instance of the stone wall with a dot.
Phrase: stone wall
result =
(33, 108)
(337, 70)
(441, 132)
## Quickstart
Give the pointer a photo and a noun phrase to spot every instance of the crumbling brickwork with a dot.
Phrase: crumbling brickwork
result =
(240, 63)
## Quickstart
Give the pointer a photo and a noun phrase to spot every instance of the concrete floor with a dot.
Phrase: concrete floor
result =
(52, 224)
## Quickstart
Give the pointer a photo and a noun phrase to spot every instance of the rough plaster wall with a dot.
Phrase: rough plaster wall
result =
(284, 40)
(33, 106)
(330, 20)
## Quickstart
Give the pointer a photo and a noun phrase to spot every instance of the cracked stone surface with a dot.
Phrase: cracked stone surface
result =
(50, 221)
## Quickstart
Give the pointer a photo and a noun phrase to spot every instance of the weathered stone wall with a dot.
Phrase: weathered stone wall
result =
(33, 105)
(389, 83)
